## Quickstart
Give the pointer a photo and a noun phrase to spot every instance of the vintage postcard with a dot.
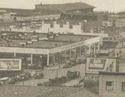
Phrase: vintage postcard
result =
(62, 48)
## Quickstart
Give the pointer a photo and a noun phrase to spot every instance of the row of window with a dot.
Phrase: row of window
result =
(61, 25)
(110, 86)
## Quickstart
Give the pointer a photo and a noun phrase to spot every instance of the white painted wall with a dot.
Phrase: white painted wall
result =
(46, 27)
(76, 29)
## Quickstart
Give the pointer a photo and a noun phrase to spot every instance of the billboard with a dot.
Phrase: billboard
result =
(10, 64)
(95, 65)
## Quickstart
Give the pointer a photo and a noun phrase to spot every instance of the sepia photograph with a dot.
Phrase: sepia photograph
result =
(62, 48)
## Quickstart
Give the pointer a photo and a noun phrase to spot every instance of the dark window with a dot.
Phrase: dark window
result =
(70, 26)
(51, 25)
(14, 18)
(123, 86)
(61, 25)
(109, 86)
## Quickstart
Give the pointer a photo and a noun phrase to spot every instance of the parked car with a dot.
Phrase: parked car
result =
(46, 84)
(38, 75)
(23, 76)
(12, 80)
(67, 66)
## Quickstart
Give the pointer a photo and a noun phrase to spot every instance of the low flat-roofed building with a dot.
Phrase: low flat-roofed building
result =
(43, 48)
(112, 84)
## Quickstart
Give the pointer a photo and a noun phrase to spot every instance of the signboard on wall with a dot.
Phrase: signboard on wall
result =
(95, 65)
(10, 64)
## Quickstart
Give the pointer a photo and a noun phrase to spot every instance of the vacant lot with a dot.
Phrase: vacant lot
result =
(32, 91)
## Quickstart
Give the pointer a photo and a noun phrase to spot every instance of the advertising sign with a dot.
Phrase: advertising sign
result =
(10, 64)
(95, 65)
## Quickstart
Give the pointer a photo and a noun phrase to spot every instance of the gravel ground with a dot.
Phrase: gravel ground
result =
(33, 91)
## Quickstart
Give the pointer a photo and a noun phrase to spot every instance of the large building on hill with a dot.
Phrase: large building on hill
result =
(78, 10)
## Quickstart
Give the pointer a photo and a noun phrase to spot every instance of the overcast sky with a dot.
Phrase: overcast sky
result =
(101, 5)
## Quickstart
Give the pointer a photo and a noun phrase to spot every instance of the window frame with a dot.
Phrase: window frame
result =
(111, 87)
(123, 87)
